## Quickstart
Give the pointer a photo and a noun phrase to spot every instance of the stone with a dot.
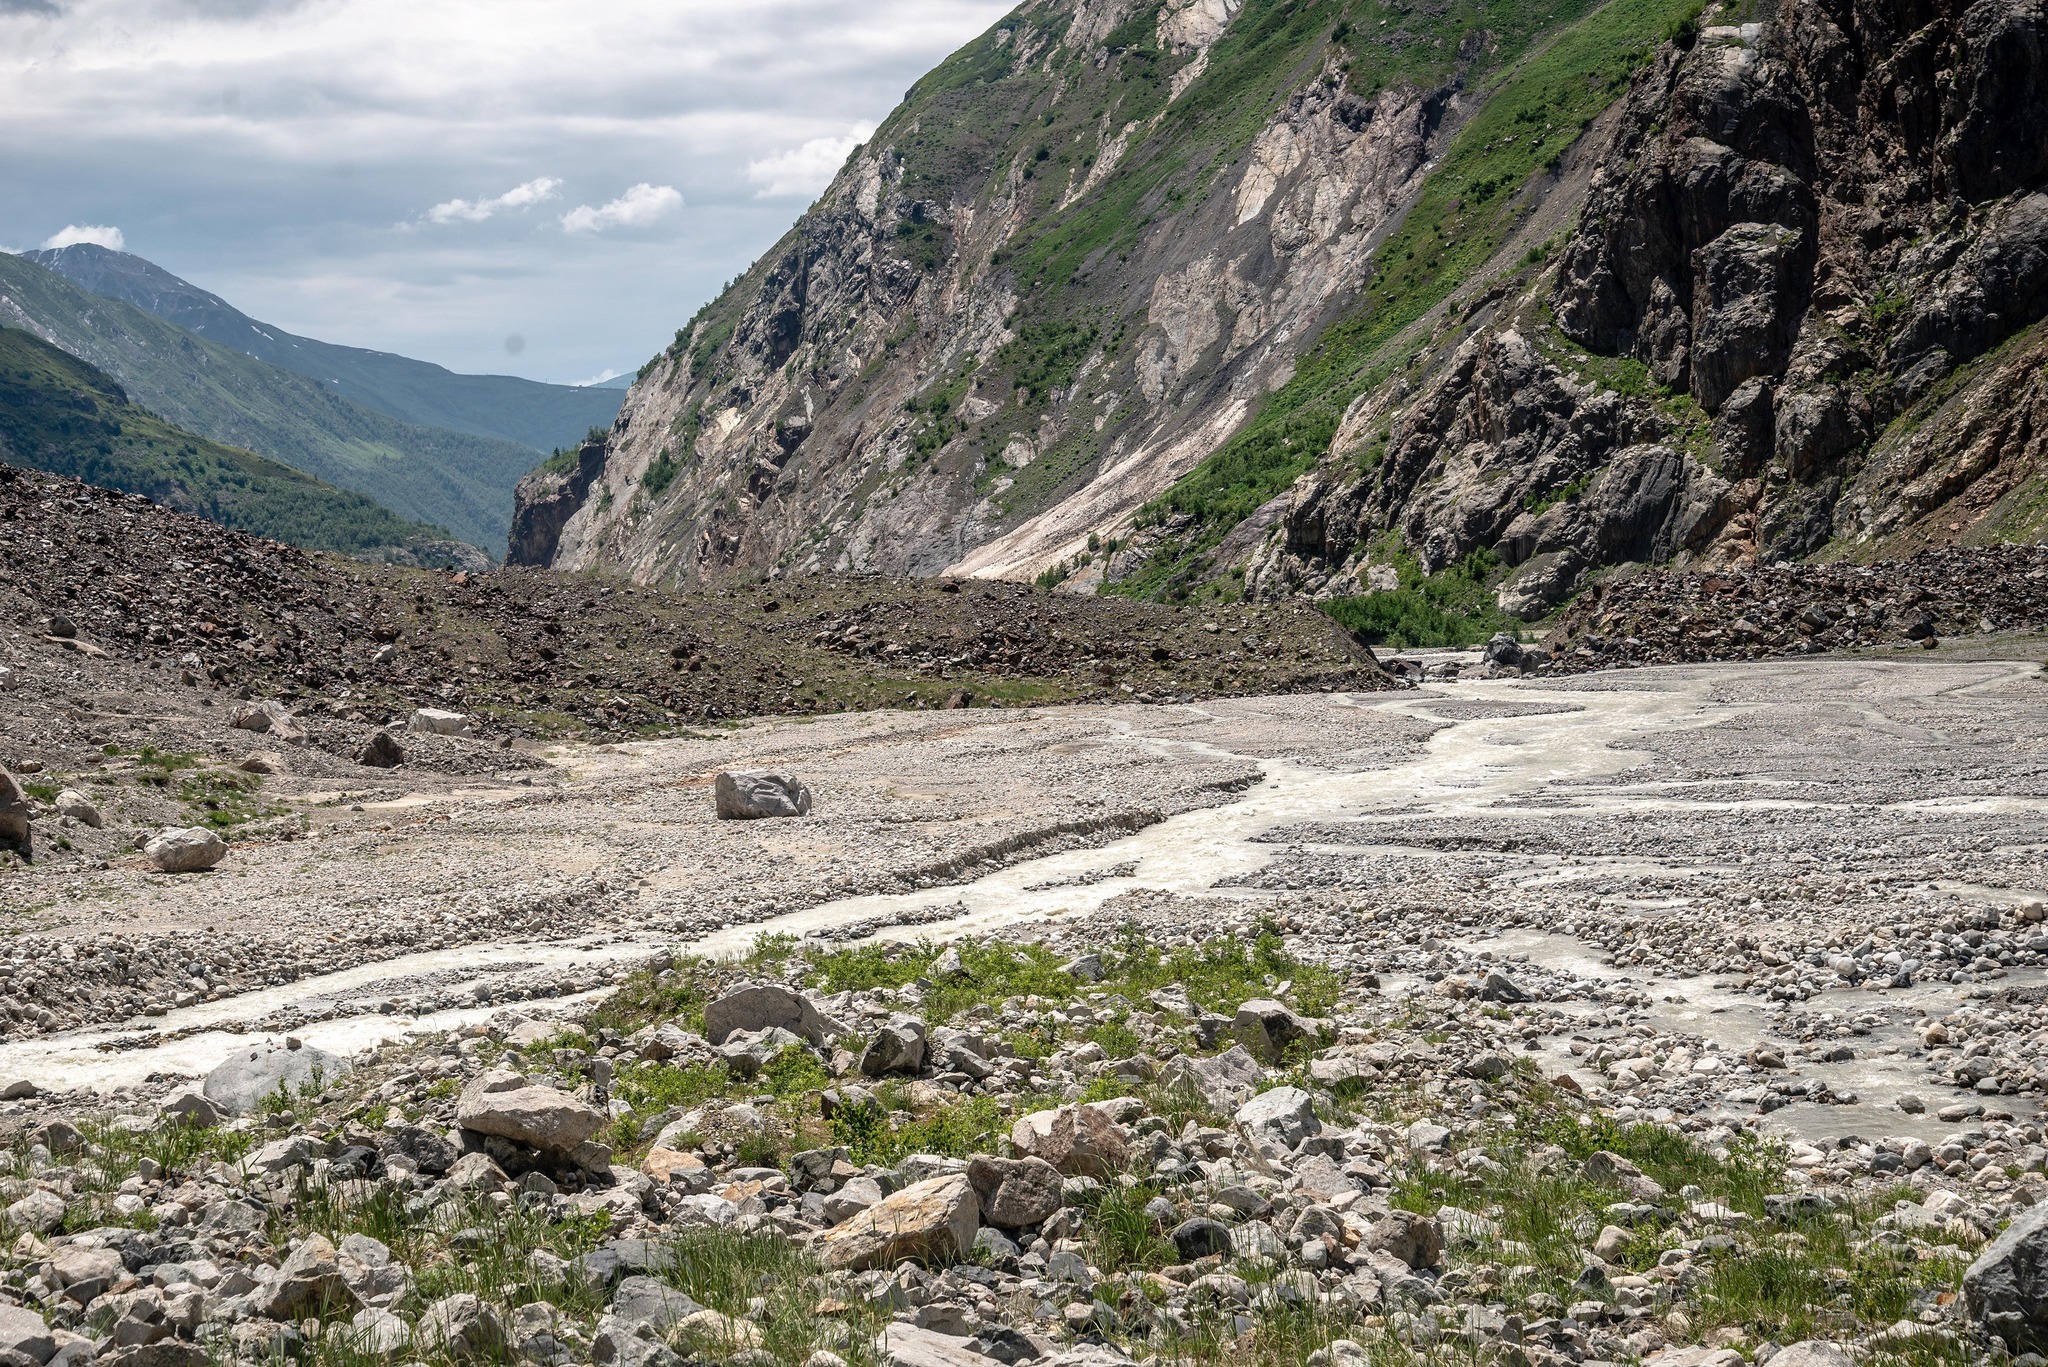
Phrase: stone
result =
(1416, 1240)
(461, 1327)
(685, 1170)
(79, 808)
(380, 1334)
(2006, 1288)
(191, 1106)
(1614, 1170)
(433, 721)
(749, 794)
(39, 1212)
(270, 718)
(934, 1219)
(14, 818)
(897, 1047)
(1015, 1192)
(1286, 1115)
(504, 1104)
(23, 1331)
(1267, 1028)
(747, 1052)
(642, 1300)
(1504, 652)
(308, 1282)
(764, 1005)
(1812, 1353)
(83, 1273)
(370, 1274)
(1201, 1237)
(381, 751)
(1080, 1140)
(185, 850)
(1222, 1082)
(1499, 987)
(1085, 969)
(906, 1345)
(239, 1084)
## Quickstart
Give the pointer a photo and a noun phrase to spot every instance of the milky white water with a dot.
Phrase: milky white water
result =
(1532, 764)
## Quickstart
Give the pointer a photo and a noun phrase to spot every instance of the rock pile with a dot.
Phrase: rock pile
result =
(1661, 617)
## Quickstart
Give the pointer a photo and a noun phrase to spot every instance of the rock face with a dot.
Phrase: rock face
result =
(936, 1218)
(740, 794)
(544, 502)
(186, 850)
(2006, 1289)
(508, 1106)
(1796, 228)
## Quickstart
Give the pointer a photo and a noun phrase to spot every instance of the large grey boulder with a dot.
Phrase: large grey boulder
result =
(433, 721)
(1285, 1115)
(934, 1219)
(23, 1331)
(1223, 1083)
(1080, 1140)
(897, 1047)
(1015, 1192)
(240, 1084)
(747, 794)
(1267, 1027)
(2006, 1289)
(14, 819)
(461, 1328)
(189, 849)
(504, 1104)
(269, 717)
(763, 1006)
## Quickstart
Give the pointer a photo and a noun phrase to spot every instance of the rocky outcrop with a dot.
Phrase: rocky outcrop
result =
(1799, 230)
(545, 500)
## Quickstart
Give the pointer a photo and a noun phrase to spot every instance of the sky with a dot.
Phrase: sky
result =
(546, 188)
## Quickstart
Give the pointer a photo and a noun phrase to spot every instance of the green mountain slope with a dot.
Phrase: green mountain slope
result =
(543, 416)
(449, 479)
(59, 414)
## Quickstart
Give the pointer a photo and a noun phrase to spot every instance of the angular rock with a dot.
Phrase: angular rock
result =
(1223, 1081)
(936, 1219)
(1015, 1192)
(23, 1331)
(1613, 1169)
(462, 1327)
(2006, 1288)
(764, 1005)
(1080, 1140)
(14, 819)
(381, 751)
(1286, 1115)
(1268, 1027)
(504, 1104)
(897, 1047)
(308, 1282)
(185, 850)
(433, 721)
(1201, 1238)
(1415, 1239)
(749, 794)
(1813, 1353)
(240, 1084)
(79, 808)
(270, 718)
(39, 1212)
(641, 1300)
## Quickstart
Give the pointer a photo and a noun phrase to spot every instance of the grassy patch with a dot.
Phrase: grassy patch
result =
(871, 1134)
(1453, 607)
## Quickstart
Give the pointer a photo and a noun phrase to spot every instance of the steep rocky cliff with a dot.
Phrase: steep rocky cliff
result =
(1338, 297)
(1798, 317)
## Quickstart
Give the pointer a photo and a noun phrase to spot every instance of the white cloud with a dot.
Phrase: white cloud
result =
(477, 210)
(97, 234)
(808, 169)
(636, 208)
(606, 374)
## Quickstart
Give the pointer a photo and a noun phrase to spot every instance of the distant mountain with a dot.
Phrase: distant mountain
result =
(434, 475)
(542, 416)
(59, 414)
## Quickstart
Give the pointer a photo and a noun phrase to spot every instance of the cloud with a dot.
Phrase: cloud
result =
(29, 7)
(74, 233)
(606, 374)
(477, 210)
(808, 169)
(636, 208)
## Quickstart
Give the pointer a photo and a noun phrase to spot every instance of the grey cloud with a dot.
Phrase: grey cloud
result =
(30, 7)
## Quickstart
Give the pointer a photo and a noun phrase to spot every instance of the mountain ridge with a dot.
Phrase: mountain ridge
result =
(436, 476)
(506, 407)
